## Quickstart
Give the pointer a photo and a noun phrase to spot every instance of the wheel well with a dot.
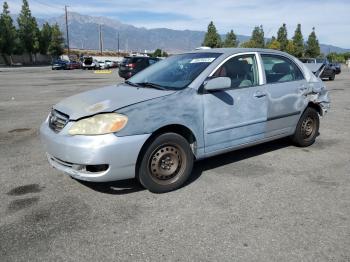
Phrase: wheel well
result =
(315, 106)
(175, 128)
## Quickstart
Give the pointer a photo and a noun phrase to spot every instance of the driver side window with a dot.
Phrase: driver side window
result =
(241, 69)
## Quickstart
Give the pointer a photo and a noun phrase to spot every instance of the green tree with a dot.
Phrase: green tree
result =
(257, 38)
(273, 44)
(290, 48)
(212, 38)
(157, 53)
(45, 38)
(231, 40)
(312, 45)
(282, 37)
(55, 48)
(298, 41)
(249, 44)
(28, 30)
(336, 57)
(8, 33)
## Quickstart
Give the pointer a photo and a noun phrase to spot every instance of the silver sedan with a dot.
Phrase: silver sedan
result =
(187, 107)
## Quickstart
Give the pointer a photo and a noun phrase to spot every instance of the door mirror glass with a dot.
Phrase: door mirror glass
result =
(218, 83)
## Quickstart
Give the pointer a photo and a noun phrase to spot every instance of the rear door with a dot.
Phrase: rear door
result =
(286, 88)
(237, 115)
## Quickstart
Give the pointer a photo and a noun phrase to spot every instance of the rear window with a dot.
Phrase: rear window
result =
(132, 60)
(88, 60)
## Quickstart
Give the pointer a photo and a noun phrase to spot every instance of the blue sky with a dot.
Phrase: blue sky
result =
(330, 17)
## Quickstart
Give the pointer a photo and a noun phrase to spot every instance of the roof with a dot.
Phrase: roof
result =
(235, 50)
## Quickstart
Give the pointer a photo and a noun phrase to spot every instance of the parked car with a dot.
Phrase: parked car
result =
(131, 65)
(111, 64)
(337, 67)
(90, 63)
(59, 64)
(73, 65)
(184, 108)
(65, 64)
(102, 65)
(327, 69)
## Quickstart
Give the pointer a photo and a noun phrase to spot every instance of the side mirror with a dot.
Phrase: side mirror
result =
(218, 83)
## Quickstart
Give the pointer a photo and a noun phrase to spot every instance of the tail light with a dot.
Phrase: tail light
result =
(131, 65)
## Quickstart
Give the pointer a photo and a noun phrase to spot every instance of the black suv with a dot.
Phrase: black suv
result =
(134, 64)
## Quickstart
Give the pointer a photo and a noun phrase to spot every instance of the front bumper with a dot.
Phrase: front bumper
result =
(71, 154)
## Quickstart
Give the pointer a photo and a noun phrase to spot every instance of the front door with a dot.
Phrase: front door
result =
(237, 115)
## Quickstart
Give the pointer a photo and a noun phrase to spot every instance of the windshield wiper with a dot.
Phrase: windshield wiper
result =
(131, 83)
(152, 85)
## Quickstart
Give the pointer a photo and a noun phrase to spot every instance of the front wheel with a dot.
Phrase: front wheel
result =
(166, 163)
(307, 128)
(332, 77)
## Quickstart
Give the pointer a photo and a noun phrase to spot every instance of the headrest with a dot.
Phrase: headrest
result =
(236, 68)
(281, 68)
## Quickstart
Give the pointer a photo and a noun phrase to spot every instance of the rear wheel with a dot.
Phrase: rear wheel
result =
(307, 128)
(166, 163)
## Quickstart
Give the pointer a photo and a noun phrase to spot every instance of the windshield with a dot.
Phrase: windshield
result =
(175, 72)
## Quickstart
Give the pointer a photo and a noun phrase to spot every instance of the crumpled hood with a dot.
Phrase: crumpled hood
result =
(316, 69)
(106, 99)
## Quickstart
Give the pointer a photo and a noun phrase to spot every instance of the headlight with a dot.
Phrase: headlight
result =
(99, 124)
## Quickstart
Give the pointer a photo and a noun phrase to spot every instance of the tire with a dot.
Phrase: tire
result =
(332, 77)
(307, 128)
(165, 164)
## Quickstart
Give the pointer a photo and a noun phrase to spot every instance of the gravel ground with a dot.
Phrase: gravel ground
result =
(272, 202)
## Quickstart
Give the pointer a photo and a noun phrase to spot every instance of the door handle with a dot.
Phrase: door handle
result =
(259, 94)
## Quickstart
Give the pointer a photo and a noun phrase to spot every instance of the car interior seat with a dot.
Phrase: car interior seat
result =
(281, 72)
(237, 71)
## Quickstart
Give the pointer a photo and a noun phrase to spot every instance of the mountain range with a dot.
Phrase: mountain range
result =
(84, 34)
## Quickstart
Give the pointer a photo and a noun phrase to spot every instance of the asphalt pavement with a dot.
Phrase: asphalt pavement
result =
(272, 202)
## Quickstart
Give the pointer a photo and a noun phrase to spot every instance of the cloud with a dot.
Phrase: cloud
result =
(329, 17)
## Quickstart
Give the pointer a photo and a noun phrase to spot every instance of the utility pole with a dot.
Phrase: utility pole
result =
(101, 43)
(118, 44)
(65, 9)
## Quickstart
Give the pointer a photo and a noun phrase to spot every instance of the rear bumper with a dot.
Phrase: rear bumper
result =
(71, 154)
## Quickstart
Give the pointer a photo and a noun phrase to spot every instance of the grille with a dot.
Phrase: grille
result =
(57, 120)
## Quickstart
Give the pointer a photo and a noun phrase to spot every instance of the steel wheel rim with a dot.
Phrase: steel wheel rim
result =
(308, 127)
(167, 163)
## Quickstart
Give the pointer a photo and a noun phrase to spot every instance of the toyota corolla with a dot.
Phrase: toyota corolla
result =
(184, 108)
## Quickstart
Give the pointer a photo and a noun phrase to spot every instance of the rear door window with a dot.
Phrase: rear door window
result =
(280, 69)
